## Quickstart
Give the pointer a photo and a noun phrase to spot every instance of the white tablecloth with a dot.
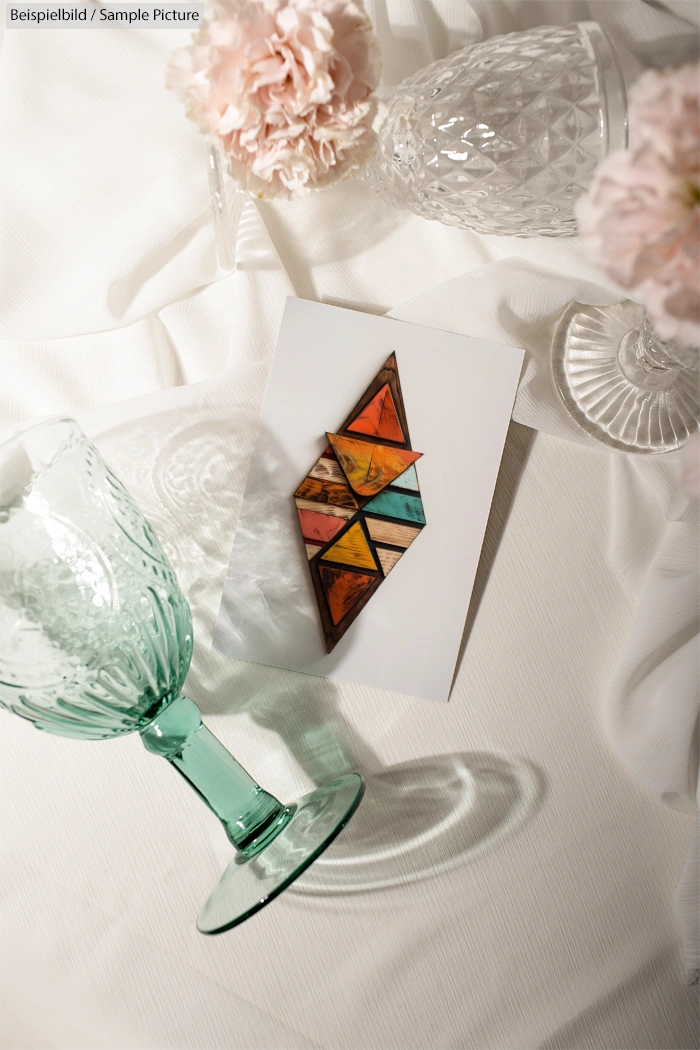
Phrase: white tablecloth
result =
(514, 883)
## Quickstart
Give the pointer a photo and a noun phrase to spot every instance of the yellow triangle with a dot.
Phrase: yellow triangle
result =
(351, 549)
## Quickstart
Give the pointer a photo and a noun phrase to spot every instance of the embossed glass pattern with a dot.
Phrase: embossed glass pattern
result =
(96, 641)
(623, 384)
(504, 136)
(96, 636)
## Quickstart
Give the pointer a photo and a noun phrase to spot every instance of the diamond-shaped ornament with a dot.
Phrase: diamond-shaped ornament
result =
(360, 506)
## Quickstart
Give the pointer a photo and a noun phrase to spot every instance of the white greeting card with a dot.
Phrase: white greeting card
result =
(458, 395)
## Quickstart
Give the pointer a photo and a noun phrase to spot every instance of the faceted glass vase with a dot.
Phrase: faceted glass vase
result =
(96, 641)
(503, 136)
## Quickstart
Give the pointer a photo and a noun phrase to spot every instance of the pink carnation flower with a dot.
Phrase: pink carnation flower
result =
(641, 217)
(285, 89)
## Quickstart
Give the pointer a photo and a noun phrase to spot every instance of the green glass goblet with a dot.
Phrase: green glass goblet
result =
(96, 641)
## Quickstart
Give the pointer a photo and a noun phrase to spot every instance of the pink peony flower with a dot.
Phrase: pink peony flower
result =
(284, 87)
(641, 217)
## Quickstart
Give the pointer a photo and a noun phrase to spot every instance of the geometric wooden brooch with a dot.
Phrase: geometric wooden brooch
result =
(360, 506)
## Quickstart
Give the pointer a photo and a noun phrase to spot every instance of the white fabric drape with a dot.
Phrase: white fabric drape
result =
(581, 641)
(652, 703)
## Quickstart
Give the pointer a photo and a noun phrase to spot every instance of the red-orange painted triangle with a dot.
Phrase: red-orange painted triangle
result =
(379, 418)
(389, 426)
(343, 589)
(317, 527)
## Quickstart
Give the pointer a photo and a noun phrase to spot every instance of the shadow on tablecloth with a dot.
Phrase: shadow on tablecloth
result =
(418, 818)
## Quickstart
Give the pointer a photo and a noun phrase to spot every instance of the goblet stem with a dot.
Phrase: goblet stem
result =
(644, 361)
(227, 204)
(274, 843)
(251, 817)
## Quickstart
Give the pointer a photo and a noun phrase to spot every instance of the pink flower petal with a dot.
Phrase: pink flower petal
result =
(286, 87)
(640, 219)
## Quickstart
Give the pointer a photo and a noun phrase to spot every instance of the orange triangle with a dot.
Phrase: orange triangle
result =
(368, 467)
(379, 418)
(389, 426)
(351, 549)
(343, 589)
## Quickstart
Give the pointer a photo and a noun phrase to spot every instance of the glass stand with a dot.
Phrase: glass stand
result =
(621, 383)
(275, 843)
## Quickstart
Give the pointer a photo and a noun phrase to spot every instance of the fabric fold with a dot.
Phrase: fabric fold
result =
(651, 707)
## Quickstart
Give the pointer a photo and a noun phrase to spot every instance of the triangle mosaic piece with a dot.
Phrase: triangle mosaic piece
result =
(379, 418)
(343, 590)
(370, 467)
(382, 531)
(317, 527)
(360, 507)
(352, 549)
(387, 559)
(397, 505)
(335, 493)
(408, 480)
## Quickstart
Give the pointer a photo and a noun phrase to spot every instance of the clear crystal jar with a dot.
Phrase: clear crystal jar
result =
(504, 136)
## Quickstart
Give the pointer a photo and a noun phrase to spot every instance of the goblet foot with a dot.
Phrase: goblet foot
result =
(255, 877)
(274, 842)
(620, 383)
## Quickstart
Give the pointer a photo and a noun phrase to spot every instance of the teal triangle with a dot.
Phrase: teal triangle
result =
(397, 505)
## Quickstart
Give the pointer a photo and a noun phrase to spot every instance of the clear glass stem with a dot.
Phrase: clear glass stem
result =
(227, 205)
(644, 360)
(250, 816)
(621, 382)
